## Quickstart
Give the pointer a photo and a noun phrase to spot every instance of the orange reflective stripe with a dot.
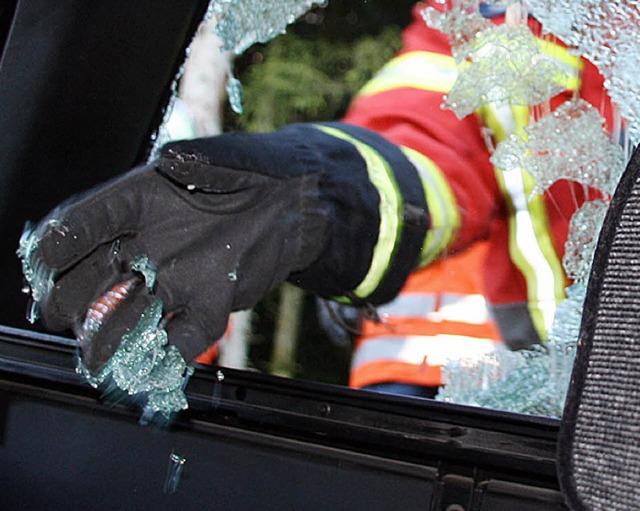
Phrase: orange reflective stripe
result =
(380, 359)
(440, 315)
(396, 372)
(417, 326)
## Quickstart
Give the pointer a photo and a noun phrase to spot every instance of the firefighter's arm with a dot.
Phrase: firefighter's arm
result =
(333, 208)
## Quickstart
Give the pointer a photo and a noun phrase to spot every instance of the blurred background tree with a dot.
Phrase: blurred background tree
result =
(303, 79)
(311, 74)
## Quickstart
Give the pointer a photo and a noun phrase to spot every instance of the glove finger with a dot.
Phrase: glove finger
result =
(100, 216)
(192, 337)
(70, 297)
(98, 346)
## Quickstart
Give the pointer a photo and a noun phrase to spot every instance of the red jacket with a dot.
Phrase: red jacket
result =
(403, 103)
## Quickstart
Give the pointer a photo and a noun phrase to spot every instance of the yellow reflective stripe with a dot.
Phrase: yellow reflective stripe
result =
(488, 115)
(572, 64)
(523, 252)
(444, 216)
(436, 72)
(418, 70)
(538, 214)
(540, 265)
(390, 208)
(521, 116)
(530, 243)
(542, 229)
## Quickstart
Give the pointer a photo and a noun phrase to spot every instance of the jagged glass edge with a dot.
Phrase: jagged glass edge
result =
(39, 277)
(237, 34)
(234, 37)
(535, 381)
(563, 19)
(470, 34)
(143, 265)
(584, 229)
(558, 352)
(574, 119)
(532, 381)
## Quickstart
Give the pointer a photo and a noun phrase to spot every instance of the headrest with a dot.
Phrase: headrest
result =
(599, 443)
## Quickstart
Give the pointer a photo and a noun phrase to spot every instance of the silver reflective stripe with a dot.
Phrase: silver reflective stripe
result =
(463, 308)
(471, 309)
(420, 349)
(409, 305)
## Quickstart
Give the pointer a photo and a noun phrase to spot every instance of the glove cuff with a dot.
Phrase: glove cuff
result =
(377, 214)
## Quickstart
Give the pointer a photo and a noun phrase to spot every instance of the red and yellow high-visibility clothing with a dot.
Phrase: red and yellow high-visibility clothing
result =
(404, 182)
(439, 315)
(467, 198)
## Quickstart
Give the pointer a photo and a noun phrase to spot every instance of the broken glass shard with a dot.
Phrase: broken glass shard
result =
(143, 265)
(145, 366)
(234, 92)
(505, 66)
(517, 381)
(496, 64)
(503, 3)
(38, 276)
(606, 33)
(241, 23)
(531, 381)
(238, 24)
(461, 24)
(174, 472)
(563, 340)
(570, 143)
(584, 229)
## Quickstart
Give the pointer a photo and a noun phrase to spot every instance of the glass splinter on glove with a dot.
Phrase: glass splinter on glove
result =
(38, 277)
(144, 364)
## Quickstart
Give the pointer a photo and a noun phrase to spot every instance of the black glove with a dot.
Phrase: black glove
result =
(219, 238)
(222, 220)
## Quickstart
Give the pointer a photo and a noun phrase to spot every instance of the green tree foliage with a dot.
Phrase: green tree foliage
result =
(311, 74)
(298, 79)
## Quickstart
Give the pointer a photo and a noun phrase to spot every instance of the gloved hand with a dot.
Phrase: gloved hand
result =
(222, 221)
(218, 237)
